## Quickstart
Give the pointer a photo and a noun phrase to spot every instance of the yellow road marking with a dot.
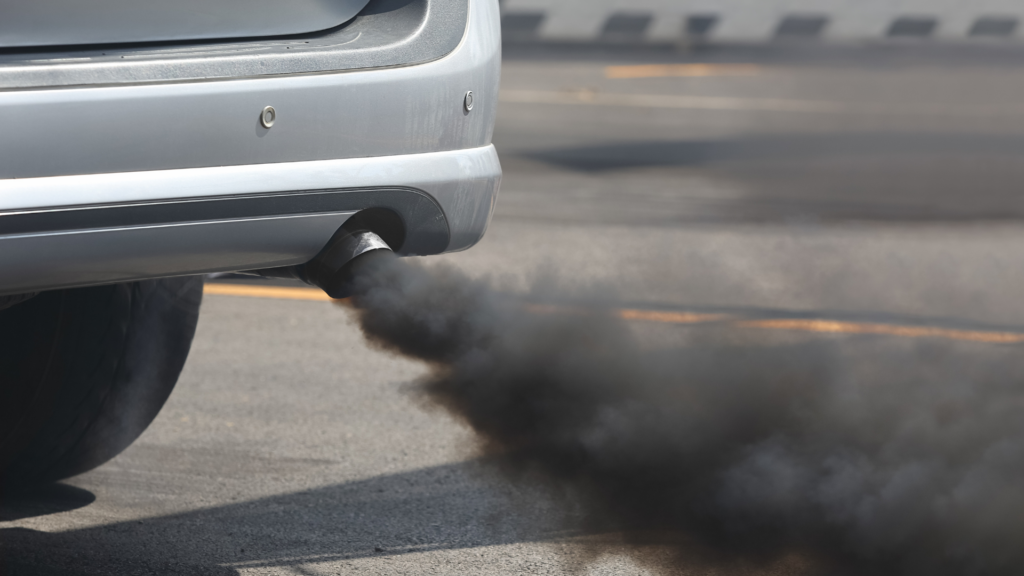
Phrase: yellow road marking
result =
(674, 317)
(672, 101)
(669, 317)
(680, 70)
(591, 97)
(277, 292)
(837, 327)
(662, 316)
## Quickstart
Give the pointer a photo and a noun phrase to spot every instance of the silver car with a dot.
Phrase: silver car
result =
(145, 143)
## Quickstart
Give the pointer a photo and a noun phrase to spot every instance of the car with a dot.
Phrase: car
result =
(145, 144)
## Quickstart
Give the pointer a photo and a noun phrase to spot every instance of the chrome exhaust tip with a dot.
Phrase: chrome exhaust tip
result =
(333, 269)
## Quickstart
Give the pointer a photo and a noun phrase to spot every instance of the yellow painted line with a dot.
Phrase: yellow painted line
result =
(591, 97)
(836, 327)
(669, 317)
(680, 70)
(662, 316)
(674, 317)
(671, 101)
(277, 292)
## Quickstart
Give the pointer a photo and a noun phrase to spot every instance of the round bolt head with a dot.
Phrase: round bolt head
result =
(268, 116)
(468, 103)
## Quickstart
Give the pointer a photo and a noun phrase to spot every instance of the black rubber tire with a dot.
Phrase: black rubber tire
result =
(12, 299)
(84, 371)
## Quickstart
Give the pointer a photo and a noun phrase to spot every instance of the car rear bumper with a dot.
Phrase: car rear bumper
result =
(192, 221)
(115, 183)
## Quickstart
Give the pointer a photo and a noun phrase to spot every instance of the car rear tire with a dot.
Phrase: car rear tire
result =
(84, 371)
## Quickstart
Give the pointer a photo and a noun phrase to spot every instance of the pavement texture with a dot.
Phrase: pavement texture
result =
(866, 188)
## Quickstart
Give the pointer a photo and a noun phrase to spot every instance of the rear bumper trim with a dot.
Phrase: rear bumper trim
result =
(426, 226)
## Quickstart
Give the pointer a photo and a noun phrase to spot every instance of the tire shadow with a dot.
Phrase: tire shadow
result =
(49, 499)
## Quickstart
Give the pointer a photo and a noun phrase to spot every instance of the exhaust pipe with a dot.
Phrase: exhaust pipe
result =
(332, 270)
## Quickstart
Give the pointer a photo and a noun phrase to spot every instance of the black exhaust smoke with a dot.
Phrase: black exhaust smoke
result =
(746, 459)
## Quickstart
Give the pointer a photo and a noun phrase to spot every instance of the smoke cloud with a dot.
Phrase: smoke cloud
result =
(782, 459)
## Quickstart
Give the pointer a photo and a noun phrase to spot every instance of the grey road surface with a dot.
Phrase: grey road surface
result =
(862, 188)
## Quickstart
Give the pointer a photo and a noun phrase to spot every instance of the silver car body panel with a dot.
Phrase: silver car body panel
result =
(89, 257)
(394, 111)
(55, 22)
(463, 184)
(386, 33)
(120, 149)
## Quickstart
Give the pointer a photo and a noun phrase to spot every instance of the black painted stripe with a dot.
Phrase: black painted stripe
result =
(521, 25)
(992, 26)
(801, 26)
(700, 25)
(626, 26)
(912, 27)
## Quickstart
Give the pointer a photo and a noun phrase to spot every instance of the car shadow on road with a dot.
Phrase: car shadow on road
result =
(445, 507)
(887, 177)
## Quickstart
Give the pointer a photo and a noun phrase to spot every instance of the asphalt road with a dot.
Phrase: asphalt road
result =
(860, 187)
